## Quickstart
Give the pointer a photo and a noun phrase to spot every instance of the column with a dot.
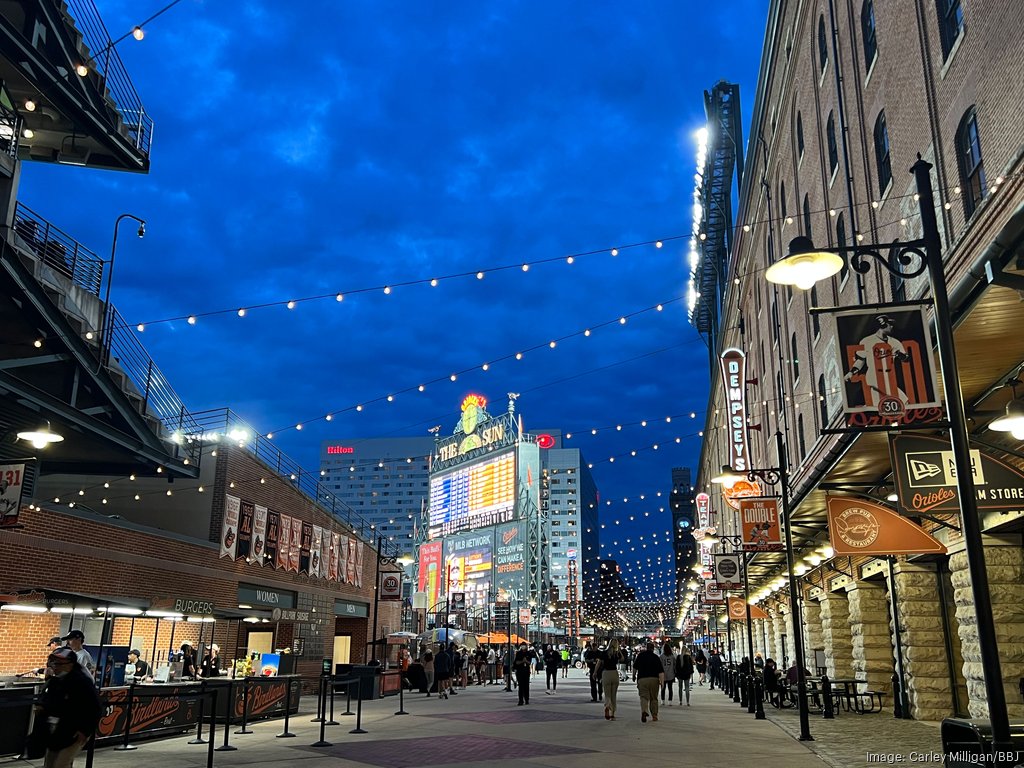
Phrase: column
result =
(812, 633)
(1004, 565)
(782, 643)
(835, 631)
(870, 636)
(926, 668)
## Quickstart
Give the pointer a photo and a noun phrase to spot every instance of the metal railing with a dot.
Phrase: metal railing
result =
(107, 63)
(226, 425)
(58, 250)
(159, 400)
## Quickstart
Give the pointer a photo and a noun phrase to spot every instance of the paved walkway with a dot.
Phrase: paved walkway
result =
(483, 727)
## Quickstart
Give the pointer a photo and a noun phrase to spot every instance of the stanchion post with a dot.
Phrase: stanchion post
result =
(213, 720)
(245, 707)
(348, 699)
(759, 691)
(90, 750)
(202, 709)
(751, 693)
(359, 711)
(744, 690)
(737, 687)
(226, 746)
(286, 734)
(401, 699)
(320, 701)
(333, 683)
(826, 696)
(322, 706)
(897, 697)
(124, 746)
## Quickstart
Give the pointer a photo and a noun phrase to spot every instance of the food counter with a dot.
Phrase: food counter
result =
(163, 708)
(16, 715)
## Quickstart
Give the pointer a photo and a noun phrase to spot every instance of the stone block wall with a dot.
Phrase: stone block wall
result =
(812, 633)
(835, 630)
(1005, 568)
(871, 642)
(926, 667)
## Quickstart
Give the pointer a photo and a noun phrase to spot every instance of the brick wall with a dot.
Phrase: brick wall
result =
(71, 550)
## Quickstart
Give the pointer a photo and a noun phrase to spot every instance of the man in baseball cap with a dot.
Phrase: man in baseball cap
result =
(71, 707)
(76, 640)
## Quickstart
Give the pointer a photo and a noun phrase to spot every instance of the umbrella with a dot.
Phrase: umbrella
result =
(448, 635)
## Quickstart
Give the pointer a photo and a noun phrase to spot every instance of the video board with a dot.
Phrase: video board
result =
(474, 496)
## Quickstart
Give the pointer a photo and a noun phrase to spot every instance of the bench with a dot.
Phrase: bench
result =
(867, 702)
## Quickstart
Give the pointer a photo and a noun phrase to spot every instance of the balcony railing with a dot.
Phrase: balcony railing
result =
(58, 250)
(106, 61)
(223, 424)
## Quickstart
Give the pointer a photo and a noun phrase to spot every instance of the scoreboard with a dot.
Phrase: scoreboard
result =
(474, 496)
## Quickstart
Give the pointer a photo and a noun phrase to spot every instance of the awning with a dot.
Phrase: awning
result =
(41, 600)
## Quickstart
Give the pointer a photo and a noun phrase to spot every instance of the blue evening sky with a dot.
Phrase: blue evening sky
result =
(312, 148)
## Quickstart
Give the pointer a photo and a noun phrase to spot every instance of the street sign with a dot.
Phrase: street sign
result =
(502, 616)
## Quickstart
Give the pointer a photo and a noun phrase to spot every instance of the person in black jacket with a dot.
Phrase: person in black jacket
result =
(552, 661)
(684, 673)
(70, 708)
(521, 666)
(591, 656)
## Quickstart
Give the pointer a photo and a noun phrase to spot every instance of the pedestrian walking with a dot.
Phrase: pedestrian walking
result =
(552, 661)
(700, 661)
(70, 709)
(684, 674)
(427, 660)
(521, 664)
(596, 684)
(609, 660)
(565, 661)
(668, 666)
(442, 671)
(649, 675)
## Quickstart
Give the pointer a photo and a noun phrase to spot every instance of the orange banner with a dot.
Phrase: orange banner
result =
(761, 529)
(738, 610)
(859, 527)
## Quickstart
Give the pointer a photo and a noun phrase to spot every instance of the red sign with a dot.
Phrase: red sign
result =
(334, 449)
(761, 529)
(703, 510)
(545, 441)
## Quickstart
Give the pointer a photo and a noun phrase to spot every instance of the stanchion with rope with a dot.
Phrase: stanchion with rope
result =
(359, 711)
(202, 708)
(245, 708)
(348, 698)
(225, 747)
(401, 698)
(213, 717)
(286, 734)
(333, 684)
(124, 746)
(321, 706)
(320, 701)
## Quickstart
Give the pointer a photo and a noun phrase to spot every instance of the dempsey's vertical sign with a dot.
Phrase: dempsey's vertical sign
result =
(734, 373)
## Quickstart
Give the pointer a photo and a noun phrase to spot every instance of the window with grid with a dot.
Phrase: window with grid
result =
(882, 159)
(969, 160)
(833, 147)
(799, 135)
(800, 436)
(951, 23)
(868, 32)
(782, 198)
(822, 401)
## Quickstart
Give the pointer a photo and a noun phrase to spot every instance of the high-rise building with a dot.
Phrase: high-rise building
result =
(385, 479)
(570, 499)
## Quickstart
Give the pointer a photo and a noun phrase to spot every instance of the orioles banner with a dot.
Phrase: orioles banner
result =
(859, 527)
(738, 610)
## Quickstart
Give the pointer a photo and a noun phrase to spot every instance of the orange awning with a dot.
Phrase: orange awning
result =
(501, 638)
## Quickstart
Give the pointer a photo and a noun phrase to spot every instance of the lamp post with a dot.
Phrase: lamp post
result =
(105, 335)
(382, 559)
(804, 266)
(777, 476)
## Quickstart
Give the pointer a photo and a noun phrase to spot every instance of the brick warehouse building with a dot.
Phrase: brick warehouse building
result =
(828, 158)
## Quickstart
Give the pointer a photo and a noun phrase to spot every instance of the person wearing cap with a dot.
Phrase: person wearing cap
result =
(70, 707)
(211, 662)
(76, 641)
(141, 667)
(875, 363)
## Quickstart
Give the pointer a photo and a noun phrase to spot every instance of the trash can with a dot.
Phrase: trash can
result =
(369, 680)
(968, 743)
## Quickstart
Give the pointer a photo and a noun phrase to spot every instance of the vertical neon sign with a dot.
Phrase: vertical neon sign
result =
(734, 365)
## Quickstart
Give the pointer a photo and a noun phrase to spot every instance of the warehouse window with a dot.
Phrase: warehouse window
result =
(951, 23)
(822, 44)
(882, 153)
(867, 26)
(833, 147)
(799, 135)
(968, 155)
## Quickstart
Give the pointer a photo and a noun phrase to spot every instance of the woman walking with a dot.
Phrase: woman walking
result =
(552, 661)
(428, 668)
(608, 662)
(684, 674)
(701, 663)
(668, 664)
